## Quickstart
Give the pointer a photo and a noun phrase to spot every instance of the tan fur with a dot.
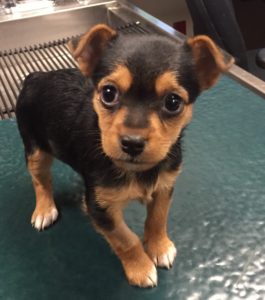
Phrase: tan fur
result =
(155, 225)
(39, 164)
(91, 46)
(209, 60)
(167, 132)
(122, 240)
(121, 77)
(121, 237)
(155, 235)
(128, 247)
(167, 83)
(134, 190)
(122, 195)
(137, 265)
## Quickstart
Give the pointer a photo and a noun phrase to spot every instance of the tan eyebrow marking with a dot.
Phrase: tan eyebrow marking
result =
(121, 76)
(167, 82)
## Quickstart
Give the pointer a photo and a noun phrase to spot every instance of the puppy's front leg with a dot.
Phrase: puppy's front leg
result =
(138, 267)
(158, 246)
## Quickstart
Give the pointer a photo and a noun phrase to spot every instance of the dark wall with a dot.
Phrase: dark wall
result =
(251, 18)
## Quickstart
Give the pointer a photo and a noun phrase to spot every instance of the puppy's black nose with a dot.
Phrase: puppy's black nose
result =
(132, 144)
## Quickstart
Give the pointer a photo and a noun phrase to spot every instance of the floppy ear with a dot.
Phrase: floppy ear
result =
(209, 60)
(88, 49)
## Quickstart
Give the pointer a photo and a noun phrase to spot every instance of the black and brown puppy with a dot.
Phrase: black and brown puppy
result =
(119, 124)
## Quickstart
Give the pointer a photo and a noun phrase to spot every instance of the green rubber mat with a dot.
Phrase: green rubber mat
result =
(217, 219)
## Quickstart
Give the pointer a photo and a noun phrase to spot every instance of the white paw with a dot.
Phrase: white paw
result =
(41, 220)
(166, 259)
(151, 279)
(143, 278)
(140, 271)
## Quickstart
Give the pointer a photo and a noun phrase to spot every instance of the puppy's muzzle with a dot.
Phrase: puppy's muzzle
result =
(132, 144)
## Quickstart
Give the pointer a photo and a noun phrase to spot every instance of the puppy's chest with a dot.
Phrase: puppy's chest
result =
(136, 190)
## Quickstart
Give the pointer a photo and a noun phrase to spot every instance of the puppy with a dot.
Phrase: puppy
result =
(119, 124)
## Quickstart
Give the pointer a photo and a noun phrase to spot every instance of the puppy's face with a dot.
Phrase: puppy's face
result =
(144, 91)
(138, 127)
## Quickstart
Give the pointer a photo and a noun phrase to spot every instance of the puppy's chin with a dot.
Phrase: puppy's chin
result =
(131, 166)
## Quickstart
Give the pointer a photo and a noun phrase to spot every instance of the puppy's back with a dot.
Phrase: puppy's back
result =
(49, 106)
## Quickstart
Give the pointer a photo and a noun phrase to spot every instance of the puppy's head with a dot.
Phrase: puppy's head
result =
(145, 87)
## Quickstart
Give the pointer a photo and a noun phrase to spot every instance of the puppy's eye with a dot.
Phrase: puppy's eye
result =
(109, 95)
(173, 103)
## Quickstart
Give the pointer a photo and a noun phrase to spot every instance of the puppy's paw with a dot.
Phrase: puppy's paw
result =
(44, 216)
(162, 252)
(142, 273)
(139, 269)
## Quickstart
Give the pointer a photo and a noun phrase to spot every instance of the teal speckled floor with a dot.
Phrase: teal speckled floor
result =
(217, 219)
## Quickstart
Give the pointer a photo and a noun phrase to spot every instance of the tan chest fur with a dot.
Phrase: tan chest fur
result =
(135, 190)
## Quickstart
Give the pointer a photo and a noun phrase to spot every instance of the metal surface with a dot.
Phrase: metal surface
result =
(15, 65)
(48, 27)
(59, 6)
(247, 79)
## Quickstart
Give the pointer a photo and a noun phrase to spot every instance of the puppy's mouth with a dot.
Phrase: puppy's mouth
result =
(133, 164)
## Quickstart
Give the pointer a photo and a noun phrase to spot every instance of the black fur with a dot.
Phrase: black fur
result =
(147, 57)
(55, 112)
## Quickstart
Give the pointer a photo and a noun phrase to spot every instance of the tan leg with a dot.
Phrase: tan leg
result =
(138, 267)
(45, 213)
(158, 246)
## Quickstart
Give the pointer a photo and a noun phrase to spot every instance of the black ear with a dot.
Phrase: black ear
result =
(209, 60)
(88, 49)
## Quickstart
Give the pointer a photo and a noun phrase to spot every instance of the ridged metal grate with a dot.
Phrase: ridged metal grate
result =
(16, 64)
